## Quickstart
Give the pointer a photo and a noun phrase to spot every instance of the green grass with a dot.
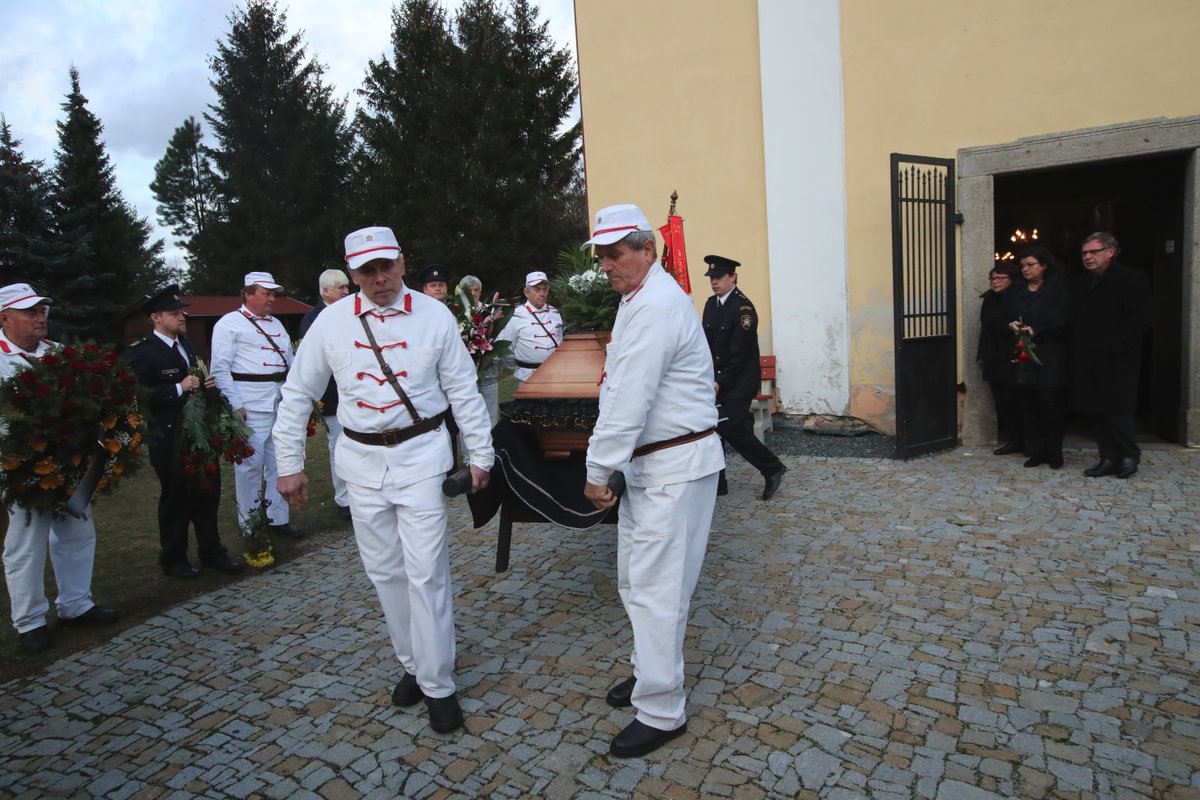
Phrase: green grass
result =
(127, 575)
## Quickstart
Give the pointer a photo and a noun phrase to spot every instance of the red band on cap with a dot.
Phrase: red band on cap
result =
(372, 250)
(610, 230)
(10, 303)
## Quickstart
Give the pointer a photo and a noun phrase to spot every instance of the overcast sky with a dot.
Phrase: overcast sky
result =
(143, 66)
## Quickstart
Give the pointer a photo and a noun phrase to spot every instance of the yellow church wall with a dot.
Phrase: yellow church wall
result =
(670, 101)
(928, 77)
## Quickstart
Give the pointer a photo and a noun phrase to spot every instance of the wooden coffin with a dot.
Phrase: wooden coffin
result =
(571, 373)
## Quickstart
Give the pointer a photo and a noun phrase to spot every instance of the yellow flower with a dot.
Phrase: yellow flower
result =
(45, 466)
(109, 422)
(259, 560)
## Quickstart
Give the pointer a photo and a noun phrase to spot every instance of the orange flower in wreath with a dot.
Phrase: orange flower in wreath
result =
(45, 466)
(51, 481)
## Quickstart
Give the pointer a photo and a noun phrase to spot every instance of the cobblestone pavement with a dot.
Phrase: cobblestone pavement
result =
(955, 627)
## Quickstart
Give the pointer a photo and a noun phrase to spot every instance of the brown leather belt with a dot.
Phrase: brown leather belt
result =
(394, 436)
(675, 442)
(274, 377)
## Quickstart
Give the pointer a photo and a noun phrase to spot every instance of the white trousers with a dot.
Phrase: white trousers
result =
(404, 544)
(339, 486)
(72, 546)
(662, 534)
(250, 474)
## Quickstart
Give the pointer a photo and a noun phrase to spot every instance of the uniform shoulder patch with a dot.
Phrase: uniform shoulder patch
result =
(747, 322)
(137, 343)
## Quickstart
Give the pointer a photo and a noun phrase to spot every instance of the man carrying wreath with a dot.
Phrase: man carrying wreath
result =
(32, 533)
(163, 362)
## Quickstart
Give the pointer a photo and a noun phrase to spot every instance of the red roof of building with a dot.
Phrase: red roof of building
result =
(215, 306)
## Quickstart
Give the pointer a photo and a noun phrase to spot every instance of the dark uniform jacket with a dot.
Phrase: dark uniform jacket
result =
(732, 333)
(159, 368)
(995, 350)
(329, 400)
(1110, 317)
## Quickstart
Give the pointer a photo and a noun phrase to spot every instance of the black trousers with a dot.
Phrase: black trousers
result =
(1115, 435)
(737, 431)
(1009, 426)
(1044, 415)
(181, 503)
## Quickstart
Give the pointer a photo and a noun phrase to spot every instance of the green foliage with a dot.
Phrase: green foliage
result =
(583, 295)
(281, 158)
(185, 187)
(26, 224)
(107, 246)
(461, 141)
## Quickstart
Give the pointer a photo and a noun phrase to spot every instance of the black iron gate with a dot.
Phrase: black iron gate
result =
(923, 280)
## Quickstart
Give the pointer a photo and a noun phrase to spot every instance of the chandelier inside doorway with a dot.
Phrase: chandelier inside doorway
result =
(1018, 238)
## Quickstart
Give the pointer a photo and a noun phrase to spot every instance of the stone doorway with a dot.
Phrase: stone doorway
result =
(1137, 180)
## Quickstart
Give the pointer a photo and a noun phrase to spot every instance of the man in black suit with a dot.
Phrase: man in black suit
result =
(731, 327)
(1111, 310)
(163, 362)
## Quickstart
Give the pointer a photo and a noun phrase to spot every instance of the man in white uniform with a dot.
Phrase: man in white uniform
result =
(334, 285)
(400, 366)
(251, 354)
(657, 423)
(71, 542)
(535, 328)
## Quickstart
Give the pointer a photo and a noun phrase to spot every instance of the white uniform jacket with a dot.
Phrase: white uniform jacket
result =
(534, 333)
(12, 358)
(657, 384)
(419, 339)
(238, 346)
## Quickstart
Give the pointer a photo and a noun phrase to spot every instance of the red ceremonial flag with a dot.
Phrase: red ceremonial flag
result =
(674, 257)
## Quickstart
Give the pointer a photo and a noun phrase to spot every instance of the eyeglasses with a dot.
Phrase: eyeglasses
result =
(999, 278)
(1086, 253)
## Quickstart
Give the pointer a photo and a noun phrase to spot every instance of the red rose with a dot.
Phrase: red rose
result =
(27, 378)
(1022, 356)
(69, 352)
(42, 390)
(50, 360)
(189, 470)
(210, 468)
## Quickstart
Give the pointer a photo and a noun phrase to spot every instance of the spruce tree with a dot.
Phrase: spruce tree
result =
(281, 157)
(460, 143)
(109, 262)
(26, 226)
(185, 187)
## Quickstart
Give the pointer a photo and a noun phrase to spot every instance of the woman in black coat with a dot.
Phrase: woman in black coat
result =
(994, 355)
(1040, 308)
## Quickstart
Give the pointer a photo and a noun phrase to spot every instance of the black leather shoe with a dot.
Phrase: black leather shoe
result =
(621, 694)
(445, 715)
(722, 489)
(1006, 449)
(287, 529)
(96, 615)
(1055, 462)
(1105, 466)
(407, 692)
(181, 569)
(772, 485)
(36, 640)
(638, 739)
(1034, 461)
(1126, 468)
(344, 513)
(225, 564)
